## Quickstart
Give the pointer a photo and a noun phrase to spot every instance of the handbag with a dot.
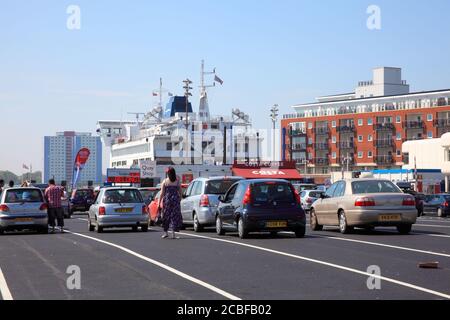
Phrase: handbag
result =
(159, 218)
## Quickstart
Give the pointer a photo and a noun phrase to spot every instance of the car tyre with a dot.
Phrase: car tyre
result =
(242, 230)
(144, 228)
(2, 231)
(404, 228)
(135, 229)
(343, 226)
(300, 232)
(43, 230)
(197, 226)
(274, 234)
(315, 226)
(219, 226)
(90, 226)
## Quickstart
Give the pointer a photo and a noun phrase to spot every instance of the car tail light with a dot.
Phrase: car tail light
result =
(410, 202)
(102, 211)
(204, 201)
(446, 204)
(247, 197)
(43, 207)
(144, 210)
(365, 202)
(4, 208)
(296, 194)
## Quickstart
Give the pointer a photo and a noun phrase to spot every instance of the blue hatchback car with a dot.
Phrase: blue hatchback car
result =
(260, 205)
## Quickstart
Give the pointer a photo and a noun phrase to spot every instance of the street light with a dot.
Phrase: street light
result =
(274, 117)
(346, 161)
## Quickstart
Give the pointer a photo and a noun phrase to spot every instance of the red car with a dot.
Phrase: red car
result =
(153, 206)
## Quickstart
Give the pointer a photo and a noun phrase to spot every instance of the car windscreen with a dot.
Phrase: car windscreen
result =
(122, 196)
(268, 192)
(23, 195)
(315, 194)
(219, 187)
(374, 186)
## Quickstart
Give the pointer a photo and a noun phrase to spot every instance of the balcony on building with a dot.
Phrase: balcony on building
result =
(384, 159)
(384, 143)
(322, 130)
(321, 161)
(346, 145)
(298, 133)
(299, 147)
(384, 126)
(442, 123)
(321, 146)
(415, 124)
(346, 127)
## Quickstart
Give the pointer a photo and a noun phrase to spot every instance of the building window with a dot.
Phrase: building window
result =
(360, 139)
(333, 139)
(370, 154)
(360, 154)
(310, 125)
(399, 136)
(399, 153)
(370, 121)
(311, 141)
(360, 122)
(429, 117)
(430, 134)
(398, 119)
(310, 156)
(169, 146)
(333, 124)
(370, 138)
(333, 155)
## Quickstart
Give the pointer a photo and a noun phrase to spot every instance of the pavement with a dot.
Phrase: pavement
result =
(120, 264)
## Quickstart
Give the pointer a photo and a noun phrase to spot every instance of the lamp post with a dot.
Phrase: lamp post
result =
(187, 94)
(346, 161)
(274, 116)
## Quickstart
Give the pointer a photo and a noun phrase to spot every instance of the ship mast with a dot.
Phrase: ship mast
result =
(204, 107)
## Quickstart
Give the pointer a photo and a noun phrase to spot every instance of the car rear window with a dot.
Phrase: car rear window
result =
(23, 195)
(374, 186)
(219, 187)
(122, 196)
(268, 192)
(84, 193)
(315, 194)
(146, 194)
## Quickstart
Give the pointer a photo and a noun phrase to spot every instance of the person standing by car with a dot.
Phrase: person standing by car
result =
(11, 184)
(53, 195)
(2, 185)
(170, 200)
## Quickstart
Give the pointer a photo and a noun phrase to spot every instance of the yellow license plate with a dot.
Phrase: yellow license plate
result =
(23, 220)
(276, 224)
(389, 218)
(124, 210)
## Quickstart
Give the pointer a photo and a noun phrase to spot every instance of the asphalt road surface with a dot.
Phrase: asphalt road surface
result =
(120, 264)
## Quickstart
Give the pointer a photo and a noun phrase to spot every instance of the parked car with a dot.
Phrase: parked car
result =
(304, 186)
(148, 194)
(23, 209)
(365, 203)
(81, 200)
(321, 188)
(419, 198)
(308, 197)
(260, 205)
(437, 204)
(116, 208)
(201, 199)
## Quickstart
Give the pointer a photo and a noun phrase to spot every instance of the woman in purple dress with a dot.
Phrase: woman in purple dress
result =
(171, 210)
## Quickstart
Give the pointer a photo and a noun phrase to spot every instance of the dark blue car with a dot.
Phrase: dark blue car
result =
(438, 204)
(81, 200)
(260, 205)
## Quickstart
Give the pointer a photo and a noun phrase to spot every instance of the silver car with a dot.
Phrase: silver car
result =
(365, 203)
(23, 209)
(117, 208)
(308, 197)
(201, 200)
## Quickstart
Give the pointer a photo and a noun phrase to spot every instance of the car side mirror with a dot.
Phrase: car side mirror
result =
(323, 196)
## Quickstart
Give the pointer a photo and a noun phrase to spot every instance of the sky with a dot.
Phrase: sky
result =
(286, 52)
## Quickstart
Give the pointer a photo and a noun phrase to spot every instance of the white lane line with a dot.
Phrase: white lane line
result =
(328, 264)
(430, 225)
(435, 235)
(385, 245)
(163, 266)
(4, 290)
(437, 221)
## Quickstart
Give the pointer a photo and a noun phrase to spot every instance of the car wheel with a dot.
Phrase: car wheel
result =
(440, 213)
(343, 226)
(98, 228)
(144, 228)
(90, 226)
(404, 228)
(2, 231)
(43, 230)
(135, 229)
(197, 226)
(274, 234)
(300, 232)
(315, 226)
(219, 226)
(243, 233)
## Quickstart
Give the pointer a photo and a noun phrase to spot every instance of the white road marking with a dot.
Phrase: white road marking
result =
(433, 220)
(332, 265)
(430, 225)
(385, 245)
(435, 235)
(4, 290)
(163, 266)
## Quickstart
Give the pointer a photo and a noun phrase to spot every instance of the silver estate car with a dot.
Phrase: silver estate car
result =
(201, 200)
(117, 207)
(365, 203)
(23, 209)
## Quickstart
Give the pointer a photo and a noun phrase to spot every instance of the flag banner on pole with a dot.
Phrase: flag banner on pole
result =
(217, 79)
(80, 161)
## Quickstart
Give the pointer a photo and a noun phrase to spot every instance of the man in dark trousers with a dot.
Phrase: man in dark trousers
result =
(2, 185)
(53, 195)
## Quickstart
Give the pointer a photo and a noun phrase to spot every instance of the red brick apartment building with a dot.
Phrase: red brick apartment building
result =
(363, 130)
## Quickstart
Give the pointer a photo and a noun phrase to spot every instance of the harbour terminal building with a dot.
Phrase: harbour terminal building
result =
(363, 130)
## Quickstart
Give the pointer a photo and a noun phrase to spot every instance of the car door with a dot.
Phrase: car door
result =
(184, 201)
(335, 203)
(323, 206)
(193, 200)
(94, 208)
(228, 207)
